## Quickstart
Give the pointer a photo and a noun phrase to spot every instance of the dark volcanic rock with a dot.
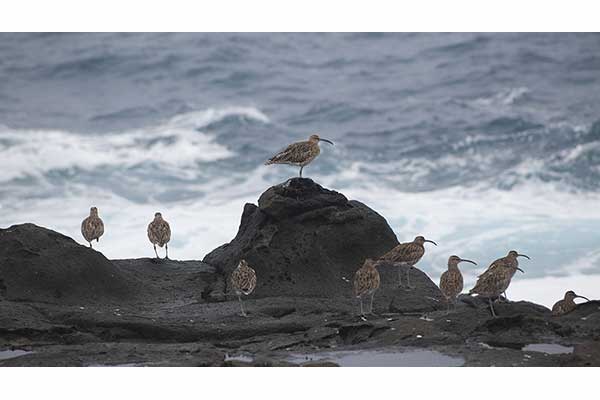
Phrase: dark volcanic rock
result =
(304, 240)
(37, 264)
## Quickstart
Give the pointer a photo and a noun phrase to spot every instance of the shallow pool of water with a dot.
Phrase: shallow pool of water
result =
(6, 354)
(239, 357)
(548, 348)
(372, 358)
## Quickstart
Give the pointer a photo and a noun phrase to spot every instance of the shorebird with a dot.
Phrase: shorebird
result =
(299, 153)
(567, 304)
(366, 283)
(495, 280)
(243, 281)
(159, 233)
(451, 281)
(92, 227)
(407, 254)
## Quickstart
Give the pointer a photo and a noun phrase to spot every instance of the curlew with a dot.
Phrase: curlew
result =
(451, 281)
(92, 227)
(495, 280)
(567, 304)
(243, 281)
(159, 233)
(300, 153)
(366, 283)
(407, 254)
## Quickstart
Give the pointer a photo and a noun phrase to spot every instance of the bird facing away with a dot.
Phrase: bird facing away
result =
(567, 304)
(451, 281)
(159, 233)
(299, 153)
(407, 254)
(92, 227)
(243, 281)
(495, 280)
(366, 283)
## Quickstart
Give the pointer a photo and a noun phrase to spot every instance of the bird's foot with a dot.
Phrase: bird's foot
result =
(364, 318)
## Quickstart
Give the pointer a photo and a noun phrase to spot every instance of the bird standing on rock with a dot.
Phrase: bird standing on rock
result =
(366, 283)
(92, 227)
(299, 153)
(451, 281)
(496, 279)
(407, 254)
(159, 233)
(567, 304)
(243, 281)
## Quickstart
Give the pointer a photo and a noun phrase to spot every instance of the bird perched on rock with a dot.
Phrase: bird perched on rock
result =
(92, 227)
(495, 280)
(243, 281)
(567, 304)
(366, 283)
(451, 281)
(407, 254)
(159, 233)
(299, 153)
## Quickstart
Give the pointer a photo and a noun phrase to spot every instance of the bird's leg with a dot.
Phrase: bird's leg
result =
(408, 285)
(166, 251)
(242, 305)
(506, 297)
(399, 277)
(301, 168)
(155, 252)
(362, 312)
(91, 247)
(371, 304)
(492, 308)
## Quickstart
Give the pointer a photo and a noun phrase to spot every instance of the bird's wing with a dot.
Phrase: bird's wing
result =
(495, 265)
(404, 252)
(294, 153)
(557, 307)
(165, 231)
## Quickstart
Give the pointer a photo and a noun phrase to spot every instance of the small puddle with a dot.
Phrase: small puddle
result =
(365, 358)
(7, 354)
(548, 348)
(242, 358)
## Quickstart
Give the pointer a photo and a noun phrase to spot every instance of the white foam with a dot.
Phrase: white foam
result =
(175, 144)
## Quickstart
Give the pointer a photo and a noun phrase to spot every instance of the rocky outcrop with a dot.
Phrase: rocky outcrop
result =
(37, 264)
(69, 305)
(304, 240)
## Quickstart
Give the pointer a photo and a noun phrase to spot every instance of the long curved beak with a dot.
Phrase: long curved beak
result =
(326, 140)
(469, 261)
(581, 297)
(430, 241)
(523, 255)
(520, 270)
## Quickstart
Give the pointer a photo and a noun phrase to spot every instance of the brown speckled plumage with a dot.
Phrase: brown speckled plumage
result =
(159, 233)
(92, 227)
(299, 153)
(366, 283)
(408, 253)
(496, 279)
(451, 281)
(567, 304)
(243, 281)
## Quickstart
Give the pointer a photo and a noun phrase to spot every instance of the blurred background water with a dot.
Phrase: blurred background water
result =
(482, 142)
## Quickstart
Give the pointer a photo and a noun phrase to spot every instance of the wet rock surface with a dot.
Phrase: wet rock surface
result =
(148, 312)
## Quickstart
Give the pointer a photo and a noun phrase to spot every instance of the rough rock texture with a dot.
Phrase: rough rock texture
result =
(37, 264)
(304, 240)
(70, 306)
